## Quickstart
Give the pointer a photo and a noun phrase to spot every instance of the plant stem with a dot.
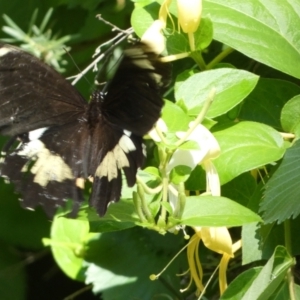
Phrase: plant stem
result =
(160, 134)
(200, 117)
(147, 189)
(219, 58)
(138, 207)
(144, 205)
(291, 284)
(191, 41)
(288, 245)
(163, 213)
(197, 56)
(287, 235)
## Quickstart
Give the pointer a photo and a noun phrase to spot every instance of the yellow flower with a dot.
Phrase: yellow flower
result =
(164, 11)
(189, 14)
(218, 240)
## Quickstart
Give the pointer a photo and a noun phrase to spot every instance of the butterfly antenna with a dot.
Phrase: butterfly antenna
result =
(119, 38)
(76, 66)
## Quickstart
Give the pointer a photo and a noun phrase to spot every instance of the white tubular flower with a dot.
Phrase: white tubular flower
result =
(153, 35)
(212, 178)
(209, 148)
(159, 128)
(154, 38)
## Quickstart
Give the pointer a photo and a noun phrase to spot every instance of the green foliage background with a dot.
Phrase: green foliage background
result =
(257, 96)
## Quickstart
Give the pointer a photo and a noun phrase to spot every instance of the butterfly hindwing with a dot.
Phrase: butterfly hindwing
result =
(43, 176)
(64, 140)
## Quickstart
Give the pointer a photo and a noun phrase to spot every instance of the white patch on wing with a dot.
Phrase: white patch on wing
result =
(116, 159)
(36, 134)
(47, 167)
(126, 144)
(144, 149)
(157, 77)
(127, 132)
(139, 58)
(143, 63)
(108, 167)
(4, 51)
(80, 183)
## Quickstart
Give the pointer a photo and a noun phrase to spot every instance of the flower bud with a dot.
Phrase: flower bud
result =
(189, 14)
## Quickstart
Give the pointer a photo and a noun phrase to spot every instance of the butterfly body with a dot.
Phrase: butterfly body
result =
(64, 139)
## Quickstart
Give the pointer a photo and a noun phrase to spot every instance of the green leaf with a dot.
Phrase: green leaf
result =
(271, 235)
(31, 225)
(251, 233)
(17, 35)
(251, 243)
(231, 86)
(177, 43)
(180, 174)
(68, 240)
(171, 113)
(168, 207)
(246, 146)
(261, 29)
(149, 173)
(181, 78)
(271, 276)
(204, 34)
(240, 284)
(120, 263)
(260, 283)
(215, 211)
(119, 216)
(290, 116)
(281, 199)
(197, 180)
(265, 102)
(240, 189)
(11, 23)
(13, 283)
(189, 145)
(141, 3)
(142, 17)
(283, 292)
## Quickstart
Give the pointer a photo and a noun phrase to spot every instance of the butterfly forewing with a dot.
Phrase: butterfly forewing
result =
(32, 94)
(133, 100)
(64, 140)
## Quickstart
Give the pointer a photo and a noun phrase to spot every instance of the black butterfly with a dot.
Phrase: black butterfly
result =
(64, 139)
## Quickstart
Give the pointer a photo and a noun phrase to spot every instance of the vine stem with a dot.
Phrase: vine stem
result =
(288, 245)
(291, 284)
(163, 212)
(219, 58)
(197, 56)
(200, 117)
